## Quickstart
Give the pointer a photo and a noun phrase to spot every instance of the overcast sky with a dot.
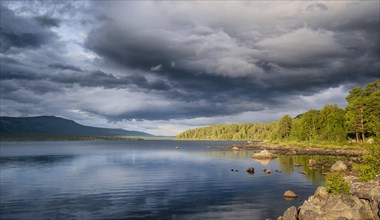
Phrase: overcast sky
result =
(167, 66)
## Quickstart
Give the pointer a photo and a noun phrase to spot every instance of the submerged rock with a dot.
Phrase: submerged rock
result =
(338, 166)
(290, 194)
(263, 155)
(251, 170)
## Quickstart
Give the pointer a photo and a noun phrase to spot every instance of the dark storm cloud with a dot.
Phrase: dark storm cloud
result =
(288, 69)
(181, 60)
(20, 32)
(183, 110)
(206, 63)
(16, 70)
(106, 80)
(129, 49)
(65, 67)
(48, 21)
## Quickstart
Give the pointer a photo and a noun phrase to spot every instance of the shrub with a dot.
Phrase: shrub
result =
(336, 184)
(370, 164)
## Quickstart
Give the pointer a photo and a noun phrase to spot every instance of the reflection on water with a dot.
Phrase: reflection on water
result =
(145, 180)
(34, 160)
(300, 163)
(263, 161)
(287, 164)
(222, 153)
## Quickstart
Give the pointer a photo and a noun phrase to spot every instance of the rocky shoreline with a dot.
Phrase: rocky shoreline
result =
(361, 203)
(293, 150)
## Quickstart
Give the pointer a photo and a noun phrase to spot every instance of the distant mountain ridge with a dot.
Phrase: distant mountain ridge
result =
(56, 126)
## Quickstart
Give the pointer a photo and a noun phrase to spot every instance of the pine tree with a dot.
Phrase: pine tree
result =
(355, 113)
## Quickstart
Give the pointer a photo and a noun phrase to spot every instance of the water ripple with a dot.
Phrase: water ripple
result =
(140, 180)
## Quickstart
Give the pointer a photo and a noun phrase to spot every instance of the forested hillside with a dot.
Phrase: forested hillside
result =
(55, 126)
(359, 121)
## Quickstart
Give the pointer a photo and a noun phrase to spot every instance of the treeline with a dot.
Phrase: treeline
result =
(230, 132)
(358, 121)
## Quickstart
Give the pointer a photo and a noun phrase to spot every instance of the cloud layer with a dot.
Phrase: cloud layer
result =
(166, 66)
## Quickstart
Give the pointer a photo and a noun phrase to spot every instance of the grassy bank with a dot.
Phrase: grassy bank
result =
(319, 144)
(307, 148)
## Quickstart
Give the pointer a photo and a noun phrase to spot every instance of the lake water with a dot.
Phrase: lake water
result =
(145, 180)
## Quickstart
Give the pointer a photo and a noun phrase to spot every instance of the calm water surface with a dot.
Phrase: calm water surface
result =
(145, 180)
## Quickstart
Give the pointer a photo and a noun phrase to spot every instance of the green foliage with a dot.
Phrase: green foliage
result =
(331, 124)
(255, 131)
(366, 172)
(372, 113)
(370, 164)
(284, 127)
(363, 112)
(355, 118)
(336, 185)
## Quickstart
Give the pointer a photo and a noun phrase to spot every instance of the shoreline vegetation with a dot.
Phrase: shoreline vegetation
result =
(294, 148)
(331, 129)
(358, 123)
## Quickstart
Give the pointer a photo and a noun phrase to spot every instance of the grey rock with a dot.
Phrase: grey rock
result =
(264, 154)
(321, 193)
(338, 166)
(368, 191)
(335, 207)
(290, 213)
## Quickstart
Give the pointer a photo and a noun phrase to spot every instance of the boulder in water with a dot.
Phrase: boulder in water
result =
(290, 194)
(251, 170)
(264, 154)
(338, 166)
